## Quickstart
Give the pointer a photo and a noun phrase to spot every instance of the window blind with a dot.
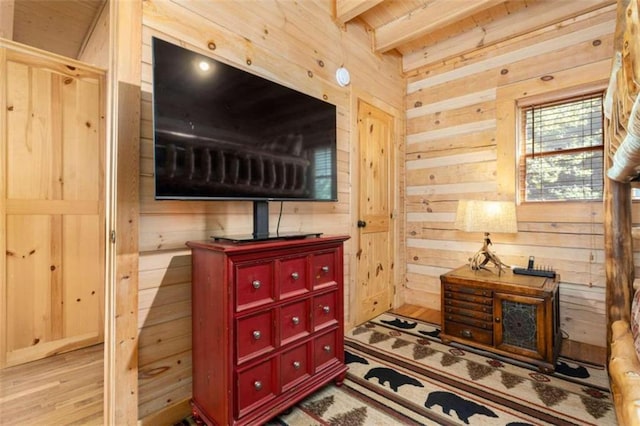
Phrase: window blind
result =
(322, 164)
(562, 155)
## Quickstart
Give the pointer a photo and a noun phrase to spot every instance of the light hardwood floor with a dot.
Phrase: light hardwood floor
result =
(67, 389)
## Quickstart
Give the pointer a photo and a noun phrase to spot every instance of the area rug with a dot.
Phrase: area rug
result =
(401, 374)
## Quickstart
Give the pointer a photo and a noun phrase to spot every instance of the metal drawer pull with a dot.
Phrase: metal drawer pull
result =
(466, 333)
(295, 275)
(327, 348)
(295, 320)
(326, 309)
(325, 269)
(257, 384)
(296, 365)
(257, 335)
(256, 284)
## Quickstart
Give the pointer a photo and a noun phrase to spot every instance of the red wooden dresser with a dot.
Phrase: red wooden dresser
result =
(267, 325)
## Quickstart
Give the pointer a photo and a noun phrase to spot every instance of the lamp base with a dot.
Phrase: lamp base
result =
(484, 256)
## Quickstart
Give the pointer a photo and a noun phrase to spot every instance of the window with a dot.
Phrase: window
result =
(561, 157)
(323, 161)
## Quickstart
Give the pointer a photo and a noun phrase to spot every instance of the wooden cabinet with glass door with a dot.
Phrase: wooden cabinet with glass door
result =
(508, 314)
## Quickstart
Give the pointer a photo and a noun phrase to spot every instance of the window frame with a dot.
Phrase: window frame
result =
(562, 97)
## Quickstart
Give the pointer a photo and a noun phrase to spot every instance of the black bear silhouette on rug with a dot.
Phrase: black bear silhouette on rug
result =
(405, 325)
(350, 358)
(464, 408)
(578, 372)
(435, 333)
(395, 379)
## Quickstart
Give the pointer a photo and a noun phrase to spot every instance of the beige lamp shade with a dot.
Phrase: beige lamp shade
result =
(486, 216)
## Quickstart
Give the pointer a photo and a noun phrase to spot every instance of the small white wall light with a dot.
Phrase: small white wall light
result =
(342, 76)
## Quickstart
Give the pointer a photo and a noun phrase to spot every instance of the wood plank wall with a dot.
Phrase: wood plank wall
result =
(461, 145)
(294, 43)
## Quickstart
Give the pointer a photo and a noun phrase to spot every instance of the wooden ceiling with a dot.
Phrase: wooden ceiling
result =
(423, 32)
(428, 31)
(59, 26)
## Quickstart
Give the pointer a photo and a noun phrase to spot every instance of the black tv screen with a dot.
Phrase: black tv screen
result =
(224, 133)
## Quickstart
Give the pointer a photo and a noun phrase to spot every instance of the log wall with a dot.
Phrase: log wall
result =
(294, 43)
(461, 144)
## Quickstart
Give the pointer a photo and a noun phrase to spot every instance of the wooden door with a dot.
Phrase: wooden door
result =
(374, 285)
(52, 223)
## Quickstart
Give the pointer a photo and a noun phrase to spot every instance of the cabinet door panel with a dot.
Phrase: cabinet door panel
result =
(254, 336)
(324, 310)
(519, 325)
(255, 386)
(324, 269)
(295, 365)
(325, 350)
(254, 285)
(294, 321)
(293, 277)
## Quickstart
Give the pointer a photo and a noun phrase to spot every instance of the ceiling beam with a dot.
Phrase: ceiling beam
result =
(346, 10)
(433, 16)
(7, 8)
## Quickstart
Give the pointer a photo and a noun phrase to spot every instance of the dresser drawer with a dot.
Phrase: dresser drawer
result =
(486, 325)
(468, 332)
(255, 386)
(487, 309)
(468, 297)
(324, 269)
(293, 277)
(253, 285)
(295, 365)
(468, 290)
(479, 315)
(324, 350)
(294, 321)
(254, 335)
(324, 310)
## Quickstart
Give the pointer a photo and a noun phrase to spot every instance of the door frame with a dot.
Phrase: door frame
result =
(396, 168)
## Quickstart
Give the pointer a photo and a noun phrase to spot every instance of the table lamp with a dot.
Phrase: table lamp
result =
(487, 217)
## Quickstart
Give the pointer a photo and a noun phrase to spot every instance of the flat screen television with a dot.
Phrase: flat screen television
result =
(222, 133)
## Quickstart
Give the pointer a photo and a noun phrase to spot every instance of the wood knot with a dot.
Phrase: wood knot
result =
(211, 45)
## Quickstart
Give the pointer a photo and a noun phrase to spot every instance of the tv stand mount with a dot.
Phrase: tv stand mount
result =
(261, 228)
(260, 219)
